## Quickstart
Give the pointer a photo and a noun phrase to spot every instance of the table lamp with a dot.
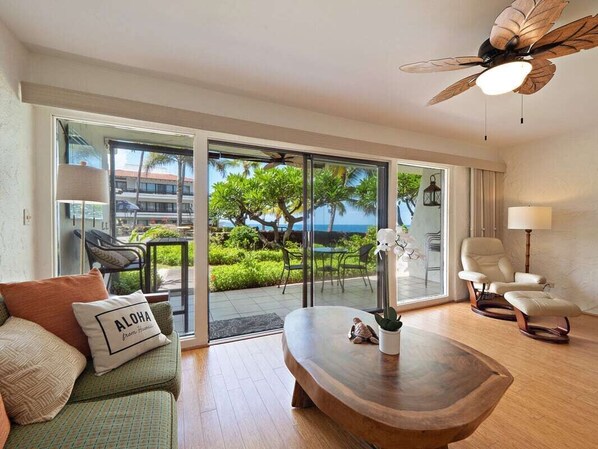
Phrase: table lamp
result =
(529, 218)
(80, 183)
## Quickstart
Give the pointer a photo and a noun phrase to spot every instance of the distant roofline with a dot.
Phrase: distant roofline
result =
(148, 176)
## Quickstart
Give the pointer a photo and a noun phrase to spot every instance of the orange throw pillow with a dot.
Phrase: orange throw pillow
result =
(48, 303)
(4, 424)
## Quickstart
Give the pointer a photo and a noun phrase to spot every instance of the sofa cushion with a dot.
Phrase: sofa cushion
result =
(48, 303)
(131, 256)
(118, 329)
(4, 424)
(158, 369)
(37, 371)
(109, 259)
(140, 421)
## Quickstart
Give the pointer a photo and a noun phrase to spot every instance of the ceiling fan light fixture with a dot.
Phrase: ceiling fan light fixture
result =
(503, 78)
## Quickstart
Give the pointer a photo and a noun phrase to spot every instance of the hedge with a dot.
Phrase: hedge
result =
(248, 275)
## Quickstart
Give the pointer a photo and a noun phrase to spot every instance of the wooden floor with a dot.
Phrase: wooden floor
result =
(238, 395)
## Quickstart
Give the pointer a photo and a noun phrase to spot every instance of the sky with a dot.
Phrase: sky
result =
(129, 160)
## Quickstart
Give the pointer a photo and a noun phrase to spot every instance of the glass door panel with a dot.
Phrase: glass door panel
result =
(151, 197)
(256, 258)
(420, 210)
(347, 210)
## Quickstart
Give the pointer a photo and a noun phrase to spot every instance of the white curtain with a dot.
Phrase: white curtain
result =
(486, 204)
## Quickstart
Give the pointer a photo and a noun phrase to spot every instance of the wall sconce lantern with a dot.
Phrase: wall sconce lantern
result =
(432, 193)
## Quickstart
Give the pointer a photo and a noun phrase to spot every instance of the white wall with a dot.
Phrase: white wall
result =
(563, 173)
(16, 165)
(119, 82)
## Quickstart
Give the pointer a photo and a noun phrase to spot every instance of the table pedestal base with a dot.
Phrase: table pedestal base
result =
(300, 398)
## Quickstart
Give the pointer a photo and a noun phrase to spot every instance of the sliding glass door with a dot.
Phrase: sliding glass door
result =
(289, 230)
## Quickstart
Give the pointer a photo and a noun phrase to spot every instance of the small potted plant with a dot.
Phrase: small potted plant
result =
(389, 331)
(402, 245)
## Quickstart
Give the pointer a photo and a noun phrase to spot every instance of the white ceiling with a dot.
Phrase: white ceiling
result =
(339, 57)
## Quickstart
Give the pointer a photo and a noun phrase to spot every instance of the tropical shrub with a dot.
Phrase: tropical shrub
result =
(220, 255)
(154, 232)
(171, 255)
(248, 274)
(268, 255)
(244, 237)
(128, 282)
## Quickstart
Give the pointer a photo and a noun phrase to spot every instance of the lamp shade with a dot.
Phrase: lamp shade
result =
(530, 217)
(82, 183)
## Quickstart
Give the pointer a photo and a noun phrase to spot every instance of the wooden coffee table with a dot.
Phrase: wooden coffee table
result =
(436, 392)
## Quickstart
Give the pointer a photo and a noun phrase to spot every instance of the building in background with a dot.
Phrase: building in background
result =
(157, 199)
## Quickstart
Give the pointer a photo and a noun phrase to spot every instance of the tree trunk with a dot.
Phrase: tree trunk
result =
(332, 217)
(137, 188)
(410, 205)
(179, 192)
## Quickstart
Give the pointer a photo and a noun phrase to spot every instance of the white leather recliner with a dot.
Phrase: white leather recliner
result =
(489, 275)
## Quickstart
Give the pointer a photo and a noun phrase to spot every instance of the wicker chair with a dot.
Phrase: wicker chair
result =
(117, 258)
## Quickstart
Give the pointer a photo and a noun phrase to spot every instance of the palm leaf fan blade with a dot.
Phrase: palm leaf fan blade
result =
(529, 20)
(579, 35)
(442, 65)
(454, 89)
(542, 72)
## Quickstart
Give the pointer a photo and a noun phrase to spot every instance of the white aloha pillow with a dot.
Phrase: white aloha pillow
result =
(118, 329)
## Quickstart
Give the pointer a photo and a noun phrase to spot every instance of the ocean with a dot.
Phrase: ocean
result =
(299, 226)
(337, 227)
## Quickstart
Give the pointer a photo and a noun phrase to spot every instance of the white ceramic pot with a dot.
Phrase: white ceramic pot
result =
(390, 341)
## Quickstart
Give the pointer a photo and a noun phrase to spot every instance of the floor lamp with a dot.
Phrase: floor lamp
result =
(87, 185)
(529, 218)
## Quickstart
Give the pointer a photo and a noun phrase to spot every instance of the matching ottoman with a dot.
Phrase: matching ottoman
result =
(530, 304)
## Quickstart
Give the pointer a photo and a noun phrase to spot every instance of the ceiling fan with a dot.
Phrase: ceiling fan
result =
(281, 159)
(516, 56)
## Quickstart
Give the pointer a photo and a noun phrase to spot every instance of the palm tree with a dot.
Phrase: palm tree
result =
(348, 177)
(330, 190)
(183, 162)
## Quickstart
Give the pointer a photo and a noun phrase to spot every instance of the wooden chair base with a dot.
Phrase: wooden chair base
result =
(489, 309)
(495, 306)
(559, 334)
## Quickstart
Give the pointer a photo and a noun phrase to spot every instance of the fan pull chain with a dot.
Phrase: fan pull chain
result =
(522, 109)
(485, 118)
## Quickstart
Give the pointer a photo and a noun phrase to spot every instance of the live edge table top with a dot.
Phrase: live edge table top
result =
(435, 392)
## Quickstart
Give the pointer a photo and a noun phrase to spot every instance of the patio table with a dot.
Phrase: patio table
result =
(322, 253)
(151, 268)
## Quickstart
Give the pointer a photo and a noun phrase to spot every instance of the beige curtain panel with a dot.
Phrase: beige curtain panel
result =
(486, 203)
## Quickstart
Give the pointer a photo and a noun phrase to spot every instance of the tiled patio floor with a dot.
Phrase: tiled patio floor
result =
(258, 301)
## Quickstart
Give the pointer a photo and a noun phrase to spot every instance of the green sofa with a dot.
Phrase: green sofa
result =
(132, 407)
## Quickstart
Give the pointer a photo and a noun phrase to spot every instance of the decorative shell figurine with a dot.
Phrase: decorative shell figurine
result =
(361, 332)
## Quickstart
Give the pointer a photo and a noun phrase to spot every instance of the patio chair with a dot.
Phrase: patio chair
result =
(287, 256)
(109, 241)
(357, 260)
(113, 259)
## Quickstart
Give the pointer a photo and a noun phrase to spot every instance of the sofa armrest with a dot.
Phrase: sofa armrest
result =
(163, 313)
(529, 278)
(474, 276)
